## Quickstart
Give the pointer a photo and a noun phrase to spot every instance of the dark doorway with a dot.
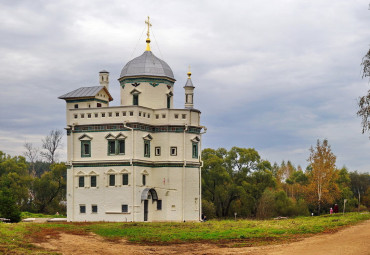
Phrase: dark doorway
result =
(145, 210)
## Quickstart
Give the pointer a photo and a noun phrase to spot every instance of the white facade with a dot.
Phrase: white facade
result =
(136, 162)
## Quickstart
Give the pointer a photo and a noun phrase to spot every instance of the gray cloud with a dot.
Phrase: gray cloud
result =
(271, 75)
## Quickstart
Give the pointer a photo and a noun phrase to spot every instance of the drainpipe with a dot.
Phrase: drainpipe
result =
(133, 169)
(200, 170)
(183, 173)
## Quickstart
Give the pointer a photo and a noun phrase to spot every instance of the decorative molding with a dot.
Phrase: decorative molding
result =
(123, 82)
(142, 164)
(86, 100)
(135, 92)
(85, 137)
(154, 84)
(135, 126)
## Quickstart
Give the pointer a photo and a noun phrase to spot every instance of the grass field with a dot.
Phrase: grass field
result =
(18, 237)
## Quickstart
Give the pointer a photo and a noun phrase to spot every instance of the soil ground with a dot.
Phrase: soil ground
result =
(351, 240)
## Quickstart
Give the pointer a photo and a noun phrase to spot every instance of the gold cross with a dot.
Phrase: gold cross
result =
(149, 25)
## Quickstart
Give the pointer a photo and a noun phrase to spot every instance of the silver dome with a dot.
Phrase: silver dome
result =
(147, 64)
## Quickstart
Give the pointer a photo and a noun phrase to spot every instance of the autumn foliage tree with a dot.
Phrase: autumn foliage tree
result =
(322, 187)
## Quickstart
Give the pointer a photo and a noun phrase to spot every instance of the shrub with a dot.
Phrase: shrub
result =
(8, 206)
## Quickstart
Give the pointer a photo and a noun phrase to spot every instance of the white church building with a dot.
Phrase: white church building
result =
(139, 161)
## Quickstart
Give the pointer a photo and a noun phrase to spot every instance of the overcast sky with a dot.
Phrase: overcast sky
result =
(270, 75)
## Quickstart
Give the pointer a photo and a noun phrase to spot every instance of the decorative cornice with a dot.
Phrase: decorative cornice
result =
(155, 81)
(135, 126)
(85, 100)
(137, 163)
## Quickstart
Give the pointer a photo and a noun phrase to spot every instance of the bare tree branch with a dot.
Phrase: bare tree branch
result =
(50, 144)
(32, 154)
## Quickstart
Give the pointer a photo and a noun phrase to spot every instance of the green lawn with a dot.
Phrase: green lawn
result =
(17, 237)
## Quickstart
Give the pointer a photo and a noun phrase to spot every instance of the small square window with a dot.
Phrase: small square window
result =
(131, 113)
(93, 181)
(75, 116)
(125, 208)
(96, 115)
(157, 116)
(173, 151)
(176, 116)
(139, 113)
(98, 105)
(148, 115)
(81, 181)
(125, 179)
(159, 205)
(82, 115)
(76, 106)
(94, 209)
(82, 208)
(184, 116)
(117, 114)
(163, 116)
(157, 151)
(103, 114)
(109, 114)
(123, 113)
(89, 115)
(144, 114)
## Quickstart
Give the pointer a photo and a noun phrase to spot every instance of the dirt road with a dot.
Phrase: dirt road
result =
(352, 240)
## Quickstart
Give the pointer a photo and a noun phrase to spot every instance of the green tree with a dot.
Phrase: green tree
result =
(360, 182)
(8, 206)
(14, 177)
(49, 190)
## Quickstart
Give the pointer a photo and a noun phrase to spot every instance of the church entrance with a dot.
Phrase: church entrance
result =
(146, 195)
(145, 210)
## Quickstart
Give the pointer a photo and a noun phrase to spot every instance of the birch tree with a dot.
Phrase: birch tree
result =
(322, 187)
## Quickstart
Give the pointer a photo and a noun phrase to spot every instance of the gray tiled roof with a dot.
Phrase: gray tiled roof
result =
(83, 92)
(147, 64)
(189, 83)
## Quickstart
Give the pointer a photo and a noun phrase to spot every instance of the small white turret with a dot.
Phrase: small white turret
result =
(104, 79)
(189, 92)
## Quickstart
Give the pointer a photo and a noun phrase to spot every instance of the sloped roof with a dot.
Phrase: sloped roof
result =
(85, 92)
(189, 83)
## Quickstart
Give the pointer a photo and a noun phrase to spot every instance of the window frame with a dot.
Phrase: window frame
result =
(135, 99)
(143, 179)
(91, 182)
(157, 151)
(83, 209)
(194, 150)
(92, 208)
(124, 206)
(83, 149)
(159, 205)
(81, 181)
(173, 153)
(125, 177)
(110, 180)
(147, 148)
